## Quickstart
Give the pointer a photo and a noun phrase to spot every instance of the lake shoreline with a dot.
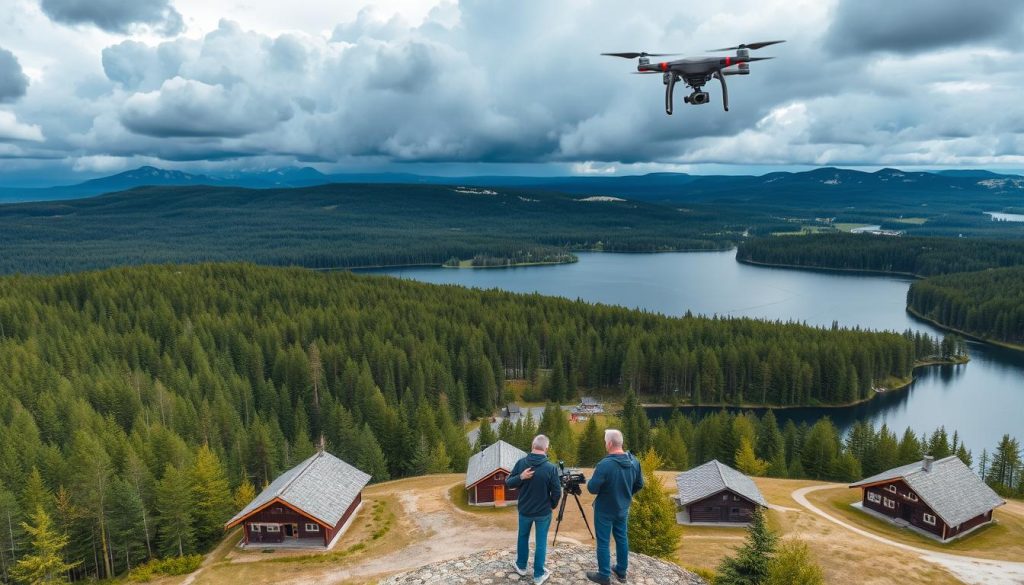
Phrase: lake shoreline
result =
(979, 339)
(860, 271)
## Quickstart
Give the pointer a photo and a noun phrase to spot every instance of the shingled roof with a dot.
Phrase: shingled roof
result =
(322, 487)
(500, 455)
(713, 477)
(954, 492)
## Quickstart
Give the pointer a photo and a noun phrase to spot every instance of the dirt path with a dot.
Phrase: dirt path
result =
(970, 570)
(442, 532)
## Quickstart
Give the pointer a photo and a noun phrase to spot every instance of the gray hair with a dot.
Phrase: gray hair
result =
(540, 442)
(614, 437)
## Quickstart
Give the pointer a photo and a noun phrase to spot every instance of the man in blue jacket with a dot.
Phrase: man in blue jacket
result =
(539, 493)
(616, 479)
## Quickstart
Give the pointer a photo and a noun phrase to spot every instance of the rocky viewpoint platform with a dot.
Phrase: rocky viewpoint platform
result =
(567, 563)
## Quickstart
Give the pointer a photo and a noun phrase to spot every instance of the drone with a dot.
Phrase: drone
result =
(696, 71)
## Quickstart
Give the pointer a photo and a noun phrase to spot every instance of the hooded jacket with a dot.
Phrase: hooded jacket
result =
(539, 494)
(616, 479)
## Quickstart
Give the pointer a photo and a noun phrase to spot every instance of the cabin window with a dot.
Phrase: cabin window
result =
(912, 496)
(255, 527)
(273, 528)
(735, 498)
(873, 497)
(310, 527)
(735, 510)
(929, 519)
(278, 510)
(889, 503)
(891, 488)
(725, 496)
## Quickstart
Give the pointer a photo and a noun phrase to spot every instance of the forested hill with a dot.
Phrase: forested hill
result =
(917, 256)
(115, 381)
(338, 226)
(987, 304)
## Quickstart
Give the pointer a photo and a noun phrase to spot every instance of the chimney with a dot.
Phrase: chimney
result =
(927, 463)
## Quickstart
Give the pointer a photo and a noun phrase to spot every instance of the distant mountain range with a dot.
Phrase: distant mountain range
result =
(819, 184)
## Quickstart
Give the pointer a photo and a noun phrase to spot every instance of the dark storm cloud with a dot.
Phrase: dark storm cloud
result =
(907, 26)
(116, 16)
(13, 81)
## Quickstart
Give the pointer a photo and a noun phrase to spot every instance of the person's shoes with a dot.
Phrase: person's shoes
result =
(542, 578)
(518, 570)
(621, 578)
(598, 578)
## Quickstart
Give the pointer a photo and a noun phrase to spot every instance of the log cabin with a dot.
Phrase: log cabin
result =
(486, 474)
(308, 506)
(943, 499)
(715, 493)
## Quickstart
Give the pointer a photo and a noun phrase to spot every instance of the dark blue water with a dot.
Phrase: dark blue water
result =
(982, 399)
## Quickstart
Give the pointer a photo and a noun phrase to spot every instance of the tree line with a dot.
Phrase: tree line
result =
(919, 256)
(988, 304)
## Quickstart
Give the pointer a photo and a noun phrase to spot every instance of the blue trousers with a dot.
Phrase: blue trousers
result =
(606, 526)
(543, 523)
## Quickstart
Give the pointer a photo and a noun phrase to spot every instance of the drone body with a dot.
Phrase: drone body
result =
(695, 72)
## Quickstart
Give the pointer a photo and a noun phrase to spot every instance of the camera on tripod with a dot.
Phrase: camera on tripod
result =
(571, 479)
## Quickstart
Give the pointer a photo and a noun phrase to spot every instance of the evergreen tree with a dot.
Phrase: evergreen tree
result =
(486, 437)
(909, 448)
(244, 494)
(127, 539)
(771, 445)
(652, 517)
(938, 444)
(370, 457)
(35, 494)
(211, 496)
(751, 563)
(44, 565)
(747, 461)
(793, 565)
(174, 504)
(439, 461)
(591, 444)
(820, 450)
(10, 531)
(419, 462)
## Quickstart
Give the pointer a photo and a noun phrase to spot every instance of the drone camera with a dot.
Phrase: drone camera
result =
(698, 98)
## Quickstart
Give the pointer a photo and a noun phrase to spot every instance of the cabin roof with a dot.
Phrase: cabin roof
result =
(713, 477)
(322, 487)
(500, 455)
(513, 408)
(954, 492)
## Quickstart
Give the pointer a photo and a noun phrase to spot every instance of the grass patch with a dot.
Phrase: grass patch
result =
(459, 495)
(165, 567)
(849, 227)
(911, 220)
(1002, 540)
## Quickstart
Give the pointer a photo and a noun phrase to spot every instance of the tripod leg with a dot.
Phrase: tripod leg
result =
(561, 513)
(584, 514)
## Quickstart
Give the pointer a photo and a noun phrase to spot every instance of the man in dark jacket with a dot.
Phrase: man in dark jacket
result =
(539, 492)
(616, 479)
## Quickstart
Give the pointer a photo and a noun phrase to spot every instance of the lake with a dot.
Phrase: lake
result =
(982, 399)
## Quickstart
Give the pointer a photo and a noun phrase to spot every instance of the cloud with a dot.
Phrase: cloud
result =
(13, 81)
(11, 129)
(909, 26)
(188, 108)
(117, 16)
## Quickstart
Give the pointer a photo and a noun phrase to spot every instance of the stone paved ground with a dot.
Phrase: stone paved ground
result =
(568, 565)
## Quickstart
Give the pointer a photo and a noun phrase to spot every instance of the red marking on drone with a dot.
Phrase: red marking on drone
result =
(727, 61)
(664, 66)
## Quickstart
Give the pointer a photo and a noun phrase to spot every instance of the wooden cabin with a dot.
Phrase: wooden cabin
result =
(715, 493)
(943, 498)
(486, 474)
(512, 412)
(310, 505)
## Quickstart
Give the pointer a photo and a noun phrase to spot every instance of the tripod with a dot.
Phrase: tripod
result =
(561, 511)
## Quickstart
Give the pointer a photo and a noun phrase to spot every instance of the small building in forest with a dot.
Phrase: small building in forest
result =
(943, 499)
(588, 407)
(512, 412)
(310, 505)
(714, 493)
(486, 474)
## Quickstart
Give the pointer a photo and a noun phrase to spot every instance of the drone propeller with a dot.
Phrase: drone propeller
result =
(641, 54)
(749, 46)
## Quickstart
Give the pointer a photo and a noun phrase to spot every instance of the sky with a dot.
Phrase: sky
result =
(95, 87)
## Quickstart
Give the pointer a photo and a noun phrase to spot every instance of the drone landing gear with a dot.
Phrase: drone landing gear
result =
(725, 90)
(670, 80)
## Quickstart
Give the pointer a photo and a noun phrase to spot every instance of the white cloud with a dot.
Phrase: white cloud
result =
(12, 129)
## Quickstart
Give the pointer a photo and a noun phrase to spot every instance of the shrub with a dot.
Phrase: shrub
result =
(164, 567)
(793, 565)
